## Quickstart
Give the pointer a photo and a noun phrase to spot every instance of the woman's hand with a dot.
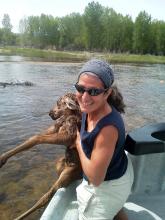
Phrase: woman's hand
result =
(78, 140)
(96, 166)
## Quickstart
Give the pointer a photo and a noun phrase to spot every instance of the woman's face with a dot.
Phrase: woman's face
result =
(87, 102)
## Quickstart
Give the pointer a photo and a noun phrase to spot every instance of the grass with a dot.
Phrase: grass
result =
(78, 56)
(133, 58)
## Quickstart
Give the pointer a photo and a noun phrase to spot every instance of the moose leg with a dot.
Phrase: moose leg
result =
(68, 175)
(60, 165)
(51, 138)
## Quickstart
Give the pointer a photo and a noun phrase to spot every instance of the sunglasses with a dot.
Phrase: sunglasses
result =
(90, 91)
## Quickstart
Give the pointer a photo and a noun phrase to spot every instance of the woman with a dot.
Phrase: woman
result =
(107, 172)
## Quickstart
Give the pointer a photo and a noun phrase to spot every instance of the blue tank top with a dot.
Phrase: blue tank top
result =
(118, 164)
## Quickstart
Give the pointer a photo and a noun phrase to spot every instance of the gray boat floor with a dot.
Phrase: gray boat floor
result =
(63, 206)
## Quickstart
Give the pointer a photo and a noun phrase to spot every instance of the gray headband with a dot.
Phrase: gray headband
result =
(101, 68)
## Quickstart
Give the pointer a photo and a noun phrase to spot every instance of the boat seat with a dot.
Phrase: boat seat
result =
(146, 140)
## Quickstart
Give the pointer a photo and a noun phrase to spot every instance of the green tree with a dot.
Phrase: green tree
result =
(117, 32)
(1, 35)
(48, 31)
(7, 35)
(126, 34)
(54, 33)
(33, 31)
(158, 34)
(40, 31)
(71, 32)
(99, 28)
(93, 22)
(6, 22)
(23, 29)
(109, 26)
(142, 33)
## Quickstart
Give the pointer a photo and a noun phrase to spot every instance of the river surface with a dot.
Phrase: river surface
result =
(24, 112)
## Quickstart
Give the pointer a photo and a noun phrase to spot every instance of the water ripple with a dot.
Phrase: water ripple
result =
(24, 112)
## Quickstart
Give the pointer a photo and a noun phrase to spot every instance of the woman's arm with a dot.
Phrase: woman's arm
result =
(95, 168)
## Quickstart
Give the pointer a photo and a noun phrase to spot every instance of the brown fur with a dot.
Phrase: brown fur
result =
(67, 116)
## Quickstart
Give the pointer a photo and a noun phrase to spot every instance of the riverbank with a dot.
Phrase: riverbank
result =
(80, 56)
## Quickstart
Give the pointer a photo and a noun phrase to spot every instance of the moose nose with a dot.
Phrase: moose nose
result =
(51, 114)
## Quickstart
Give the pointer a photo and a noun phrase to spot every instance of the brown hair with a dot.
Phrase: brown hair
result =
(116, 99)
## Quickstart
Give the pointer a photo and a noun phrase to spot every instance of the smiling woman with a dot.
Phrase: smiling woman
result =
(108, 173)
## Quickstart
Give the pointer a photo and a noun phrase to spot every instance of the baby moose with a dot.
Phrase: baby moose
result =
(67, 116)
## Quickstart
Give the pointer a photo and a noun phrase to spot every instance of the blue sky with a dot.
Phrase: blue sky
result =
(18, 9)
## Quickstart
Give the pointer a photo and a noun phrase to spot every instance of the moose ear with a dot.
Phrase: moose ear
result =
(71, 104)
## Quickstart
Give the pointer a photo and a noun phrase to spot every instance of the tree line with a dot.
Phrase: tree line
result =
(99, 28)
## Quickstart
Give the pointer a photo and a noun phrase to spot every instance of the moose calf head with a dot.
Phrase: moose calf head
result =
(67, 112)
(66, 105)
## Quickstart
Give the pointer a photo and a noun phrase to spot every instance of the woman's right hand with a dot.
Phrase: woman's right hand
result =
(78, 140)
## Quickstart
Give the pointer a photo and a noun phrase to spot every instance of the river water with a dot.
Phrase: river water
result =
(24, 112)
